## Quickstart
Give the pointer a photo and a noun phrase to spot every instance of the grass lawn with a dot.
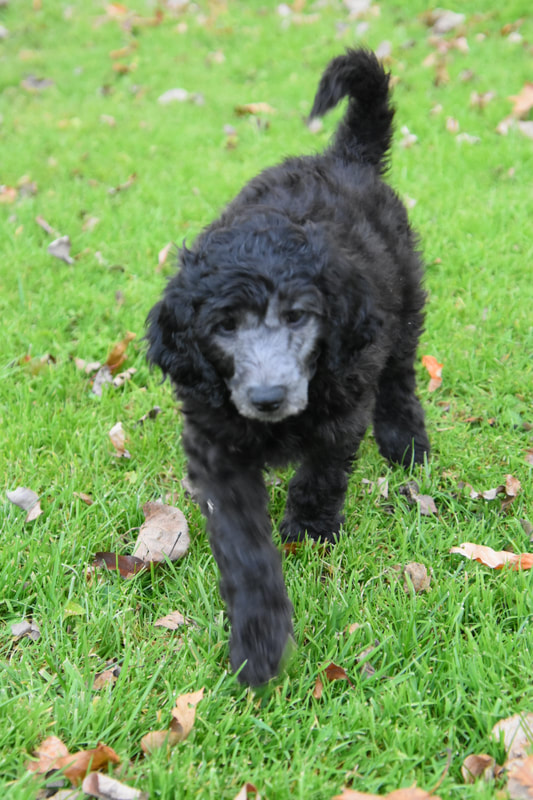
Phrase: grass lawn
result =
(95, 155)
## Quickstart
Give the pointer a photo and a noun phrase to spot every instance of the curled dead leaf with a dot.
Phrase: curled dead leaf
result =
(254, 108)
(106, 788)
(53, 754)
(117, 355)
(416, 577)
(435, 372)
(496, 559)
(172, 621)
(26, 499)
(517, 734)
(60, 248)
(479, 765)
(118, 440)
(164, 534)
(411, 793)
(127, 566)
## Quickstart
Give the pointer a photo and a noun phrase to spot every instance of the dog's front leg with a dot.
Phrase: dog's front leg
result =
(234, 501)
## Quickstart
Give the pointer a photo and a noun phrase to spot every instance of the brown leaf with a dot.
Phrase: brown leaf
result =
(332, 673)
(520, 783)
(123, 186)
(184, 713)
(106, 788)
(254, 108)
(76, 766)
(117, 356)
(163, 255)
(47, 754)
(127, 566)
(53, 754)
(479, 766)
(118, 440)
(522, 102)
(45, 226)
(172, 621)
(108, 676)
(435, 372)
(155, 740)
(426, 504)
(8, 194)
(165, 534)
(247, 790)
(85, 498)
(517, 734)
(412, 793)
(492, 558)
(416, 577)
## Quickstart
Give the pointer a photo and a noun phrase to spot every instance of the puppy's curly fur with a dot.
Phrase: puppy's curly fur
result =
(290, 327)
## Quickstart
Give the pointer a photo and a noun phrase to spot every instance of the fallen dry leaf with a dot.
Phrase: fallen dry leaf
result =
(102, 377)
(479, 765)
(416, 577)
(492, 558)
(122, 377)
(105, 678)
(123, 186)
(8, 194)
(331, 673)
(106, 788)
(47, 754)
(425, 502)
(26, 628)
(163, 255)
(28, 500)
(183, 716)
(172, 621)
(117, 356)
(435, 372)
(412, 793)
(60, 248)
(522, 102)
(520, 782)
(127, 566)
(53, 754)
(254, 108)
(247, 790)
(516, 733)
(184, 712)
(173, 96)
(118, 440)
(85, 498)
(164, 534)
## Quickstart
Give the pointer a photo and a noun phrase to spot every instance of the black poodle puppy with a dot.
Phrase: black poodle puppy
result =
(291, 327)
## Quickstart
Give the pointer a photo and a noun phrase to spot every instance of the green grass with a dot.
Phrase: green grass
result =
(449, 663)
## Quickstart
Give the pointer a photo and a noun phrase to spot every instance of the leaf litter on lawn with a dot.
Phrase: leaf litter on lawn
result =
(164, 535)
(183, 718)
(53, 754)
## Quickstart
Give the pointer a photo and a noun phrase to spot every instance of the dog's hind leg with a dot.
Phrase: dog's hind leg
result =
(318, 490)
(398, 416)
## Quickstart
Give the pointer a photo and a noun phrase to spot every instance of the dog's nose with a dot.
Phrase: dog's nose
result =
(267, 398)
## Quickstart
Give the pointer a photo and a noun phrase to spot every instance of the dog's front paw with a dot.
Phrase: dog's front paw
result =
(292, 530)
(261, 642)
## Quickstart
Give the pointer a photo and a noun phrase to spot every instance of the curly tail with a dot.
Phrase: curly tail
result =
(365, 132)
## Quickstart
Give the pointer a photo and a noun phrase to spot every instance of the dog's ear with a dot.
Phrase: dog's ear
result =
(173, 346)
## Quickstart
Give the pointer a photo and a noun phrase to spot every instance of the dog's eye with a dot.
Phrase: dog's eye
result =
(227, 325)
(296, 317)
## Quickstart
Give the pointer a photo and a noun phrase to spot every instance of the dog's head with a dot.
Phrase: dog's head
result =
(255, 309)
